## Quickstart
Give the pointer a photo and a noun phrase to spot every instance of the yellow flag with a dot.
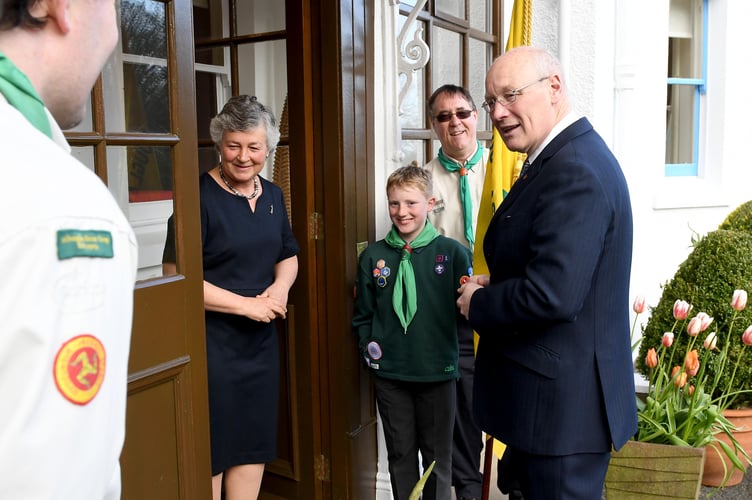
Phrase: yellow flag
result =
(503, 165)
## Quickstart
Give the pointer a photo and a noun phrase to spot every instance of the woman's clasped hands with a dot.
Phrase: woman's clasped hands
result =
(265, 308)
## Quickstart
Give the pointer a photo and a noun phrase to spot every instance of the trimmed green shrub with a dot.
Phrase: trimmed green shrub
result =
(739, 220)
(720, 263)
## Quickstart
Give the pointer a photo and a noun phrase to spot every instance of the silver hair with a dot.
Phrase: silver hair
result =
(242, 113)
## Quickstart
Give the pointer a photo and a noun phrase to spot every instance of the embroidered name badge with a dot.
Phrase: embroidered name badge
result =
(84, 243)
(79, 369)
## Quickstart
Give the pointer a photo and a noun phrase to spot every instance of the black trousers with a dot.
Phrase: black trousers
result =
(468, 438)
(417, 417)
(544, 477)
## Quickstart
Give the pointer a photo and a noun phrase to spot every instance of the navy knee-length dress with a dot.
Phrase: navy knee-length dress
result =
(240, 249)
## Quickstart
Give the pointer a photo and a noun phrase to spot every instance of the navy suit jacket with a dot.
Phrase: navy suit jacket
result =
(553, 374)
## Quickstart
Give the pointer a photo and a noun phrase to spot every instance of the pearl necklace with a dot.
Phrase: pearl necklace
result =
(235, 191)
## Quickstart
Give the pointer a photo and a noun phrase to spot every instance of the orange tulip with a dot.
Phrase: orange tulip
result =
(692, 363)
(680, 379)
(651, 359)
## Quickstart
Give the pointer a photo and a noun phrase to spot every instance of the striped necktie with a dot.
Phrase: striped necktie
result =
(525, 168)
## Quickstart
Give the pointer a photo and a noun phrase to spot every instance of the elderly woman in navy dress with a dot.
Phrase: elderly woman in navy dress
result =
(250, 262)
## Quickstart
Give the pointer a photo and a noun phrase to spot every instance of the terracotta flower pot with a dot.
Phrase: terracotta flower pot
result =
(648, 471)
(713, 474)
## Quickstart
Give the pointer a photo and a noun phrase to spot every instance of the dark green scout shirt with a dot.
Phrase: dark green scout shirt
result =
(428, 351)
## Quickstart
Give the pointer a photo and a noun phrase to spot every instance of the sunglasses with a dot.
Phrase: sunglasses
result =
(461, 114)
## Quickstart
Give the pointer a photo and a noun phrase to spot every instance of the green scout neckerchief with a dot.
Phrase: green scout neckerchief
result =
(467, 201)
(404, 296)
(19, 92)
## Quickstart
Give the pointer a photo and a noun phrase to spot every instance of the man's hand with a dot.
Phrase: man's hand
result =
(467, 290)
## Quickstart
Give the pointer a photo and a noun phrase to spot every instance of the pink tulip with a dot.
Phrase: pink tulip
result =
(710, 341)
(747, 336)
(681, 310)
(739, 302)
(705, 321)
(693, 328)
(668, 339)
(639, 304)
(692, 363)
(691, 390)
(651, 359)
(698, 324)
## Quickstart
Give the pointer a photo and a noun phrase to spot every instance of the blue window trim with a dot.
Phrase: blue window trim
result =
(700, 84)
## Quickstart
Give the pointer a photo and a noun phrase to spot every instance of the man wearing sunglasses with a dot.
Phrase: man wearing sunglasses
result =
(458, 172)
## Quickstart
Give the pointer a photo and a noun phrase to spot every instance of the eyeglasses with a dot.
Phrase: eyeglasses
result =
(462, 114)
(509, 97)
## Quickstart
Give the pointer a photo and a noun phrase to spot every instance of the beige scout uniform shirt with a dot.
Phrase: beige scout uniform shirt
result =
(447, 213)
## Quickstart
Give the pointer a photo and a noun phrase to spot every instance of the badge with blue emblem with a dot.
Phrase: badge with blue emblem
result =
(381, 272)
(374, 350)
(440, 266)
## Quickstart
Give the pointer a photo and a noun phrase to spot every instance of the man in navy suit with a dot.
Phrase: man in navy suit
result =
(553, 374)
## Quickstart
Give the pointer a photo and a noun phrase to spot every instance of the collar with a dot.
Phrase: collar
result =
(568, 119)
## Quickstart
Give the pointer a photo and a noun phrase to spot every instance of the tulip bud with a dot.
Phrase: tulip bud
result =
(710, 341)
(747, 336)
(739, 302)
(692, 363)
(679, 378)
(691, 390)
(639, 304)
(651, 359)
(681, 309)
(668, 339)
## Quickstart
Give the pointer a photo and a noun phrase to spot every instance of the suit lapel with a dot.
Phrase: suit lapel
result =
(577, 128)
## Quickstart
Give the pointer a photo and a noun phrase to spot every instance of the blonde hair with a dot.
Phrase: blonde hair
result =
(413, 176)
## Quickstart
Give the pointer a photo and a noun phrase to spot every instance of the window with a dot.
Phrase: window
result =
(687, 44)
(463, 36)
(240, 49)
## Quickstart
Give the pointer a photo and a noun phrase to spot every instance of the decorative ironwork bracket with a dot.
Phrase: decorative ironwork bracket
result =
(414, 54)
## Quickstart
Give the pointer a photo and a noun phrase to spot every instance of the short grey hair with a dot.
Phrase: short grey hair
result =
(242, 113)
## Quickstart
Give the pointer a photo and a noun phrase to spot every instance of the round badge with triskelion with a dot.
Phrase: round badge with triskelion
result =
(79, 369)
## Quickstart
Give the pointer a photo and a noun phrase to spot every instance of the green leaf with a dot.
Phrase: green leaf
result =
(418, 488)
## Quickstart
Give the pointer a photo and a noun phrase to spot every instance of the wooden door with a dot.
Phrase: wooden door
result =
(166, 452)
(346, 161)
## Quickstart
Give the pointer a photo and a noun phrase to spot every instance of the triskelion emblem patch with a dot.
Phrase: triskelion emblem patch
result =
(79, 368)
